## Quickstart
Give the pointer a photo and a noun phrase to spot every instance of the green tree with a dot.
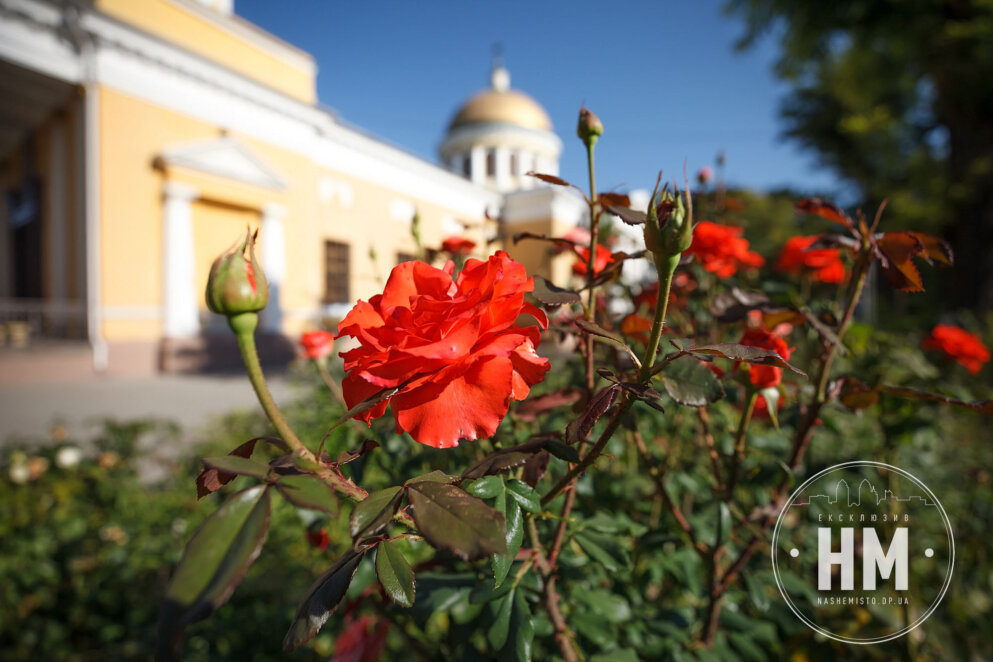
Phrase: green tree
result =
(897, 97)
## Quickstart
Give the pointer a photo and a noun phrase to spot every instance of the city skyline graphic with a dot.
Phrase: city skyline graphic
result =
(843, 494)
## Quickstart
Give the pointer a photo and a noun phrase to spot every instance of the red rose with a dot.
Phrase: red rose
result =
(362, 640)
(721, 249)
(454, 348)
(959, 345)
(822, 264)
(603, 258)
(318, 538)
(764, 376)
(458, 245)
(316, 344)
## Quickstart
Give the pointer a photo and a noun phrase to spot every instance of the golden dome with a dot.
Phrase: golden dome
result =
(502, 105)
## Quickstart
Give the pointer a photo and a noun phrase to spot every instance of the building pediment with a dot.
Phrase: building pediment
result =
(224, 157)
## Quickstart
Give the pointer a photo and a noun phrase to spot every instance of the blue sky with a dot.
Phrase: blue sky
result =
(663, 77)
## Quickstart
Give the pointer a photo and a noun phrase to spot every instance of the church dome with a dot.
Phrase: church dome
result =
(499, 135)
(503, 107)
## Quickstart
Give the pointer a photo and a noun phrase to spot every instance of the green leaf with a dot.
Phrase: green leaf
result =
(771, 396)
(498, 631)
(395, 574)
(373, 513)
(689, 382)
(524, 495)
(561, 451)
(234, 464)
(308, 492)
(435, 476)
(745, 353)
(521, 634)
(450, 519)
(609, 606)
(214, 562)
(616, 655)
(321, 601)
(594, 546)
(486, 487)
(515, 534)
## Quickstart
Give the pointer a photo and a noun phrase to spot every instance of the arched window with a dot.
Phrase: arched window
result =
(491, 163)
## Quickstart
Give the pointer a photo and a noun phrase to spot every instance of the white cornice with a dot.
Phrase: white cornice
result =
(545, 202)
(460, 140)
(164, 75)
(225, 157)
(251, 33)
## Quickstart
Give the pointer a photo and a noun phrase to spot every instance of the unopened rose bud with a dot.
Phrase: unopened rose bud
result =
(589, 127)
(236, 283)
(705, 174)
(668, 229)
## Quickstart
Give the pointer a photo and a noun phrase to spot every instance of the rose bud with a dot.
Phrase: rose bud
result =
(668, 228)
(236, 283)
(589, 127)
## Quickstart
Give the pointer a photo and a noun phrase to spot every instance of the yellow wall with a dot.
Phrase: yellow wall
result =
(133, 133)
(177, 25)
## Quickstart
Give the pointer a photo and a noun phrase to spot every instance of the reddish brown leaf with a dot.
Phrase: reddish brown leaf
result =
(637, 327)
(552, 295)
(211, 479)
(567, 244)
(629, 216)
(597, 407)
(551, 179)
(831, 212)
(532, 407)
(860, 395)
(898, 249)
(615, 199)
(535, 467)
(935, 248)
(347, 456)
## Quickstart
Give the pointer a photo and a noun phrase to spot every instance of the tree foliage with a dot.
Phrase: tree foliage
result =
(897, 98)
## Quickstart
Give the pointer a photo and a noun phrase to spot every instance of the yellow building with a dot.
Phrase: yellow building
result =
(138, 138)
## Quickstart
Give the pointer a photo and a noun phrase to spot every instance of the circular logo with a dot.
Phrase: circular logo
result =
(863, 552)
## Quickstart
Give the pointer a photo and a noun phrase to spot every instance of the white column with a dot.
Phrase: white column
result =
(272, 246)
(478, 157)
(180, 312)
(502, 168)
(526, 164)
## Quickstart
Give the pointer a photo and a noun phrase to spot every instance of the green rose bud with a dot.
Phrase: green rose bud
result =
(589, 127)
(236, 283)
(668, 227)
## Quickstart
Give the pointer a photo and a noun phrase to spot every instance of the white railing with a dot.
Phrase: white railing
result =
(23, 321)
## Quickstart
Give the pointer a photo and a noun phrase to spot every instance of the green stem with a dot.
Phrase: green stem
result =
(661, 306)
(739, 441)
(243, 326)
(590, 265)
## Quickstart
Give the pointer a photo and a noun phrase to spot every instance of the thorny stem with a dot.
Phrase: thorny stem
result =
(593, 454)
(590, 264)
(740, 438)
(243, 326)
(661, 306)
(802, 438)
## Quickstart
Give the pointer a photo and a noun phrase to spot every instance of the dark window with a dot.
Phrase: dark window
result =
(336, 273)
(490, 163)
(467, 165)
(429, 255)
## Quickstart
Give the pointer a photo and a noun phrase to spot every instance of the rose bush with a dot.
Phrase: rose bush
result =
(452, 349)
